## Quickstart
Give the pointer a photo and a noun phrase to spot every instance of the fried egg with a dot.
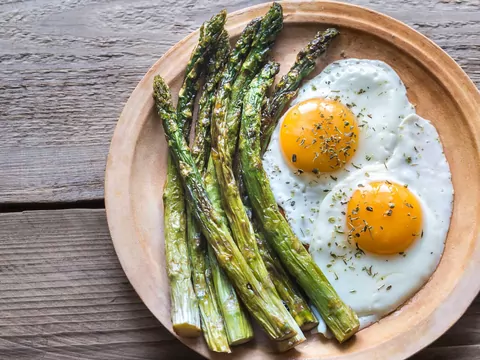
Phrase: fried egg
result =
(381, 230)
(342, 120)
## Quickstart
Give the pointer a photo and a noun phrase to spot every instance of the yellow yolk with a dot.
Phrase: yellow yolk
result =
(384, 218)
(318, 135)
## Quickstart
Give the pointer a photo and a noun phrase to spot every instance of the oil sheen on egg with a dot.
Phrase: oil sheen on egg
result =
(382, 230)
(355, 107)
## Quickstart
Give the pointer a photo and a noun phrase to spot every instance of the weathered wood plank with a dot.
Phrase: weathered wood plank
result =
(67, 68)
(65, 296)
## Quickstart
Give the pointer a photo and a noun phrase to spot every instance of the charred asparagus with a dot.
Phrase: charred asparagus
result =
(257, 300)
(184, 307)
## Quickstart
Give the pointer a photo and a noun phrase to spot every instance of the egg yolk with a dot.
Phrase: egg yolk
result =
(318, 135)
(384, 218)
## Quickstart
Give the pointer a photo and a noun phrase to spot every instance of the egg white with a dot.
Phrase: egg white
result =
(377, 97)
(375, 285)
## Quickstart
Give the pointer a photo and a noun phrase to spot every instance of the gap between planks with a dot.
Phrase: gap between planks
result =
(81, 204)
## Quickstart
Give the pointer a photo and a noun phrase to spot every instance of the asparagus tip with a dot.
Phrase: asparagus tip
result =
(160, 89)
(332, 32)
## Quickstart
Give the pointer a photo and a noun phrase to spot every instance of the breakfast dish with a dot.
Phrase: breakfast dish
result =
(277, 223)
(349, 163)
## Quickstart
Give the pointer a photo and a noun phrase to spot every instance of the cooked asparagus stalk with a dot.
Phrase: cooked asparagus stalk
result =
(202, 139)
(237, 57)
(270, 26)
(235, 62)
(212, 320)
(237, 324)
(340, 318)
(288, 291)
(261, 83)
(184, 307)
(285, 90)
(236, 320)
(287, 87)
(238, 327)
(210, 32)
(224, 139)
(256, 299)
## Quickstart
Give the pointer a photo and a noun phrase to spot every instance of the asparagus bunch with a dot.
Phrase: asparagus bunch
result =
(342, 321)
(203, 283)
(256, 299)
(184, 306)
(287, 87)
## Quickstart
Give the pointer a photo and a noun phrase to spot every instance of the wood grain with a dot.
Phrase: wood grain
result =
(67, 68)
(442, 93)
(65, 296)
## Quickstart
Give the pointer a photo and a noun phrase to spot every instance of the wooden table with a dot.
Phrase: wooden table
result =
(66, 69)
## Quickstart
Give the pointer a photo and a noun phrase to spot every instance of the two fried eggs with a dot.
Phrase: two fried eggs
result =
(352, 166)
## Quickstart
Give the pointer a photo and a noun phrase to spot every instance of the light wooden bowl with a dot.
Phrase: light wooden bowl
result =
(442, 92)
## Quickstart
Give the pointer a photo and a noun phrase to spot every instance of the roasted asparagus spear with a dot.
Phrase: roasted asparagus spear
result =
(184, 306)
(212, 320)
(257, 300)
(340, 318)
(237, 323)
(202, 140)
(260, 84)
(203, 284)
(285, 90)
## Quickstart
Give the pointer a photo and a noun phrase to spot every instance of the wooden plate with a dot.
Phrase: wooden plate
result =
(442, 92)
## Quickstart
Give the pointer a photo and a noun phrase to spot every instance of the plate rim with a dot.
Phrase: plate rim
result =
(454, 72)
